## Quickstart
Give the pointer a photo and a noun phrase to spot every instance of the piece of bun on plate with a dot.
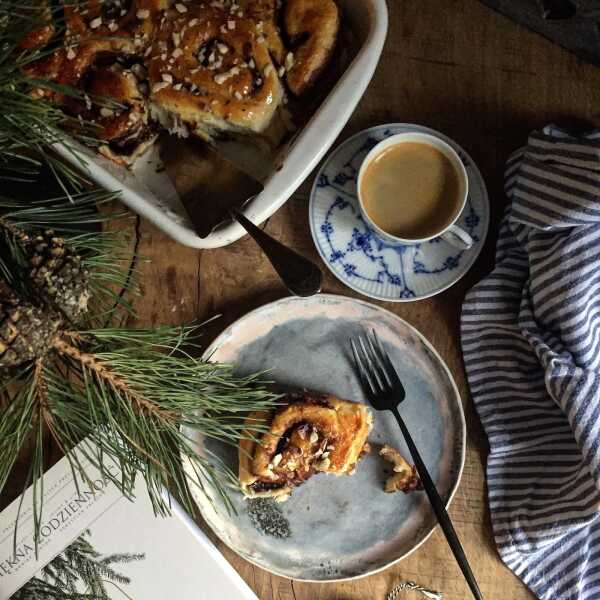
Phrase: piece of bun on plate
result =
(311, 433)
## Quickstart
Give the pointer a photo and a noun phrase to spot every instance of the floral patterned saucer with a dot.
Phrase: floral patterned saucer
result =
(366, 263)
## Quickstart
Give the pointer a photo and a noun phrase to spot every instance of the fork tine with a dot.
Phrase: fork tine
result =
(371, 363)
(362, 371)
(385, 359)
(379, 365)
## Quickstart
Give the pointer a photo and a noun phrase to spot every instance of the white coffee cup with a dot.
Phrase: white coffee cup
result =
(450, 232)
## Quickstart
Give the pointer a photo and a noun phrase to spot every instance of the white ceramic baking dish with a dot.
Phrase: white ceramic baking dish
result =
(153, 196)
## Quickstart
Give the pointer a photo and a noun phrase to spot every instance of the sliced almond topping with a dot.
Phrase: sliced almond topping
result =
(230, 24)
(314, 437)
(159, 86)
(289, 61)
(142, 13)
(167, 77)
(223, 77)
(181, 8)
(95, 23)
(177, 52)
(277, 459)
(323, 464)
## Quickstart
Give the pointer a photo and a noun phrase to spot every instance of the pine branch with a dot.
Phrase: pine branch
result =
(106, 375)
(157, 392)
(105, 256)
(129, 393)
(126, 393)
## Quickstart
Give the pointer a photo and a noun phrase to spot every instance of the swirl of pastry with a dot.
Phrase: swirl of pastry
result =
(92, 27)
(115, 100)
(313, 433)
(209, 72)
(312, 27)
(265, 14)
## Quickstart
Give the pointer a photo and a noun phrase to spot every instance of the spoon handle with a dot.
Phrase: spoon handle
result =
(300, 275)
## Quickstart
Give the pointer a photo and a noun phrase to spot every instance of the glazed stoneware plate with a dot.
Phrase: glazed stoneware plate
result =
(366, 263)
(339, 527)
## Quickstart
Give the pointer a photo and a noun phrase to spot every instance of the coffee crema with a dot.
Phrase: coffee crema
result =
(411, 190)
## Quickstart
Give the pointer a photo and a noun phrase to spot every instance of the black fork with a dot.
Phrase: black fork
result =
(385, 392)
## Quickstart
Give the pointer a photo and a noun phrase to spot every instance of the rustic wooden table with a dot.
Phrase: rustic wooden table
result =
(460, 68)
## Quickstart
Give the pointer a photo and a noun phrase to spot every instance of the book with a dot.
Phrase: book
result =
(140, 556)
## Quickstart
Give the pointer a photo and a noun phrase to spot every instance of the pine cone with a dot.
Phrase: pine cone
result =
(26, 331)
(58, 274)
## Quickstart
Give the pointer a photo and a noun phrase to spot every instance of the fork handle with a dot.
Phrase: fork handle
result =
(439, 509)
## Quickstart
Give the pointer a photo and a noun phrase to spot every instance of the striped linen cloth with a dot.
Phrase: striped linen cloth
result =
(531, 344)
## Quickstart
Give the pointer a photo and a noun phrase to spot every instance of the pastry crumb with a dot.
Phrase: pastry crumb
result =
(405, 478)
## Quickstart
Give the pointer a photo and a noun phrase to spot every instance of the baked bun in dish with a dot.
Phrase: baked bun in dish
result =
(216, 68)
(312, 27)
(265, 13)
(211, 72)
(311, 433)
(114, 104)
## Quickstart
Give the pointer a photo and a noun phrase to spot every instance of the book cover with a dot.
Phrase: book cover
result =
(94, 536)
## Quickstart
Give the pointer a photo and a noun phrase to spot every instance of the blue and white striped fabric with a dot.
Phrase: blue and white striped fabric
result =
(531, 344)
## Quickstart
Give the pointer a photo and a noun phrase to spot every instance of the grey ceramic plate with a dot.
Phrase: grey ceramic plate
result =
(342, 527)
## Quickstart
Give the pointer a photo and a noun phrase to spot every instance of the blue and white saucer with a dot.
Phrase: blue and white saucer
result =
(363, 261)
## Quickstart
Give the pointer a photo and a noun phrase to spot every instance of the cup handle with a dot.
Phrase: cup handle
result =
(457, 237)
